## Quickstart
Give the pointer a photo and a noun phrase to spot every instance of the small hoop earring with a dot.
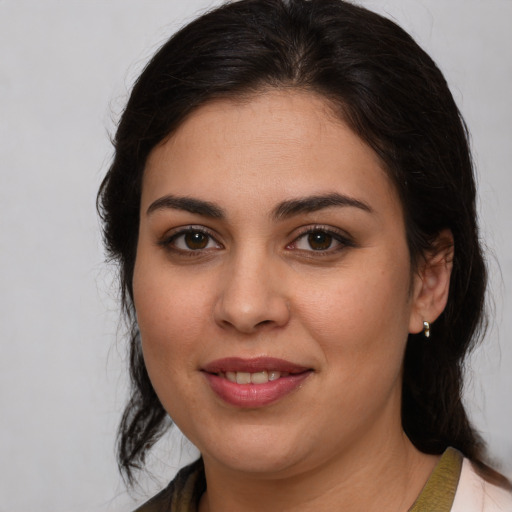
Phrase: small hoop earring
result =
(426, 329)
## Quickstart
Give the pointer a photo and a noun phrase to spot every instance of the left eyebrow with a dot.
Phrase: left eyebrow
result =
(310, 204)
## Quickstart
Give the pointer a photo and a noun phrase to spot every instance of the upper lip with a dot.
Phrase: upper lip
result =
(253, 365)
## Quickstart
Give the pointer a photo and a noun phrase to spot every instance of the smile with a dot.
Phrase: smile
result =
(252, 383)
(253, 378)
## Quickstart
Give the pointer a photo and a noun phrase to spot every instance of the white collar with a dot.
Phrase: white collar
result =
(474, 494)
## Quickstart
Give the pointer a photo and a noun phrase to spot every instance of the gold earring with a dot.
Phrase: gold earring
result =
(426, 329)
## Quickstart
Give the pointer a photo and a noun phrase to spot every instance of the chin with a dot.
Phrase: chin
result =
(257, 462)
(259, 452)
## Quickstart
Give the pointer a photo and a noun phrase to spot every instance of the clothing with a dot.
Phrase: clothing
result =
(453, 486)
(476, 494)
(182, 494)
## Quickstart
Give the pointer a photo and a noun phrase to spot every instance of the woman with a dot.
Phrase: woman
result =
(292, 206)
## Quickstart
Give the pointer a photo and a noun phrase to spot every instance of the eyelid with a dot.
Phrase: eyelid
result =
(342, 237)
(170, 236)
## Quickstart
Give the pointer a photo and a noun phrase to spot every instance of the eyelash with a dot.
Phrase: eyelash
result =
(342, 239)
(169, 241)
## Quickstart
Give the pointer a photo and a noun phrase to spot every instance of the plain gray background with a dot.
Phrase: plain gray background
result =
(65, 69)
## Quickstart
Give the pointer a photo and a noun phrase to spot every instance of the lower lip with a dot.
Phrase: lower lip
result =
(255, 395)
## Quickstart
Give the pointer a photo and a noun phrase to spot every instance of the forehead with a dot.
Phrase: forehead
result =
(270, 145)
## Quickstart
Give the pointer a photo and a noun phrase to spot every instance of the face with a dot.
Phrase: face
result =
(273, 285)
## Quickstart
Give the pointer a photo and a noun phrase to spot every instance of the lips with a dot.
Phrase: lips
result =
(257, 382)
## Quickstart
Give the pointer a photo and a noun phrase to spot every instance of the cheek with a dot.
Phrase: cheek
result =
(171, 312)
(361, 327)
(362, 317)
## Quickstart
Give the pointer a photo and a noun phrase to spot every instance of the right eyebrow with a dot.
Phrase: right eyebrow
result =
(188, 204)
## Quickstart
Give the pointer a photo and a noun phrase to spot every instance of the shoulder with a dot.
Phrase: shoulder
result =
(474, 494)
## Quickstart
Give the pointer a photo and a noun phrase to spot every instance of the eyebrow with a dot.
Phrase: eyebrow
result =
(283, 210)
(315, 203)
(188, 204)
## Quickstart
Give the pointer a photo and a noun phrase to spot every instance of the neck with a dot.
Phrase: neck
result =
(387, 478)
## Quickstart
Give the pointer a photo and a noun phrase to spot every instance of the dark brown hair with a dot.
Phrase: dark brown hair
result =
(394, 97)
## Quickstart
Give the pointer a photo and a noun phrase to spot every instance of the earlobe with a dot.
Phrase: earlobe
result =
(432, 282)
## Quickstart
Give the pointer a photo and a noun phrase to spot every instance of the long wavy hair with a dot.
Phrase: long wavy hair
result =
(393, 96)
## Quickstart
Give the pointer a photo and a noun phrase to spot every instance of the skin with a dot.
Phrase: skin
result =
(259, 288)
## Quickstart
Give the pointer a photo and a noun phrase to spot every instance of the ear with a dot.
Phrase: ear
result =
(431, 282)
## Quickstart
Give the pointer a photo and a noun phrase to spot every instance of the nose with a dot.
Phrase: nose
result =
(252, 296)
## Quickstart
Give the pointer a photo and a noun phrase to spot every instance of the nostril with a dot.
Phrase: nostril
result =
(248, 312)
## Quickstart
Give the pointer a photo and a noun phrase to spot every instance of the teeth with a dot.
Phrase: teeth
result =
(243, 378)
(259, 378)
(253, 378)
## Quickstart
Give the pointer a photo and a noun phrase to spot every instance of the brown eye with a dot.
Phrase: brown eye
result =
(196, 240)
(322, 241)
(190, 240)
(319, 240)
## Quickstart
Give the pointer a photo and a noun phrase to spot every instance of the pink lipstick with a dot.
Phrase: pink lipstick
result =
(250, 383)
